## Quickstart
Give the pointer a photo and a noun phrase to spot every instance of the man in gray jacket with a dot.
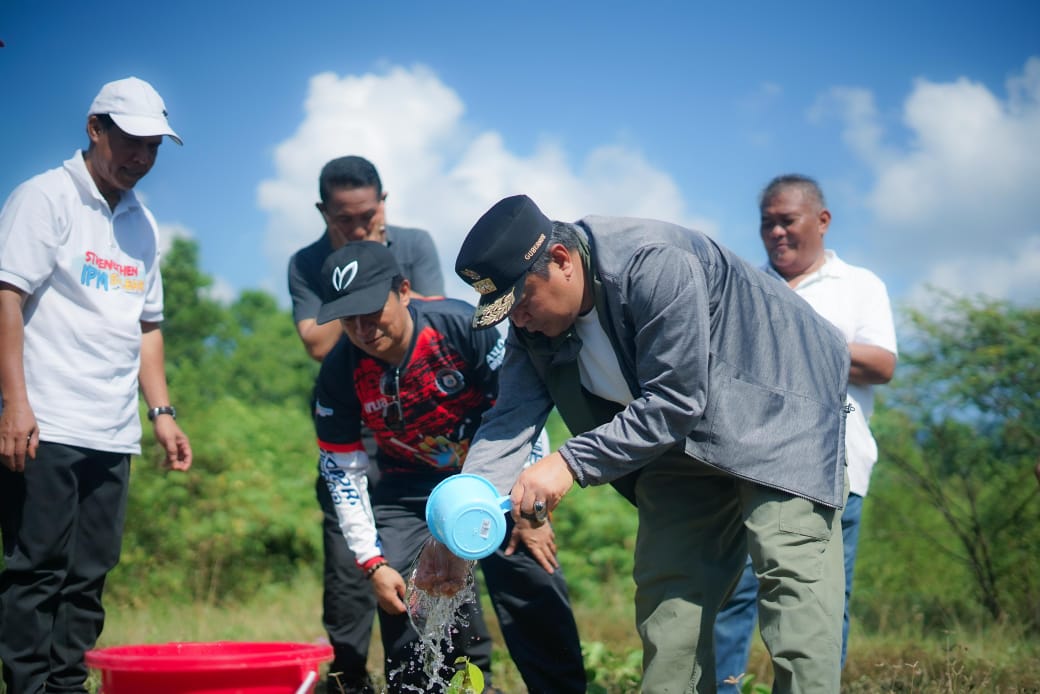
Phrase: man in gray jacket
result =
(706, 392)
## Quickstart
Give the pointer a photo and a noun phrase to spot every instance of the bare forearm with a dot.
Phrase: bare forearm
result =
(871, 365)
(319, 339)
(153, 366)
(12, 335)
(19, 436)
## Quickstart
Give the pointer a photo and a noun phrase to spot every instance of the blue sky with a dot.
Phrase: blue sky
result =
(921, 120)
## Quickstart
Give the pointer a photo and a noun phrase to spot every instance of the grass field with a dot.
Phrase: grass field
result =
(992, 661)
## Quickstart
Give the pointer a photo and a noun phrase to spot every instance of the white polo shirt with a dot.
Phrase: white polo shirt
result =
(855, 300)
(92, 276)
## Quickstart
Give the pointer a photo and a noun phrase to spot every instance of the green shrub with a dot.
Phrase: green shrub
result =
(243, 516)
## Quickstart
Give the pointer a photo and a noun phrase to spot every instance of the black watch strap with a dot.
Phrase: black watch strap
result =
(165, 409)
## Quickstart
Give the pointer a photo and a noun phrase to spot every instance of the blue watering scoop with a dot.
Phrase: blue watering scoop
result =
(466, 514)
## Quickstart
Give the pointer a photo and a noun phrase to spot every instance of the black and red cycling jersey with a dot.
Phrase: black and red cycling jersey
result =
(448, 379)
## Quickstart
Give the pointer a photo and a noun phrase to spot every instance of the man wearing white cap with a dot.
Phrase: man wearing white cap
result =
(81, 301)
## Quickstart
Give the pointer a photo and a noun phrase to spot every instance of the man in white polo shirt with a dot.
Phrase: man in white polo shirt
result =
(80, 305)
(794, 220)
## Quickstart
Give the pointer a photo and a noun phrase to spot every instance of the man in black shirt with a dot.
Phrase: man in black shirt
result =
(353, 205)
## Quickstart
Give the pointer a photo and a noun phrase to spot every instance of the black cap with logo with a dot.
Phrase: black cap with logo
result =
(497, 253)
(356, 280)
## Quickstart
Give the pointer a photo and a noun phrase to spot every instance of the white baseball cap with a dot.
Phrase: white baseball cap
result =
(135, 107)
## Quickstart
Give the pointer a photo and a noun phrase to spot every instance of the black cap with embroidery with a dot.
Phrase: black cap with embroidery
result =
(356, 280)
(497, 253)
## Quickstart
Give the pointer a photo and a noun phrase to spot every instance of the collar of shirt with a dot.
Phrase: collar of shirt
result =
(833, 266)
(77, 169)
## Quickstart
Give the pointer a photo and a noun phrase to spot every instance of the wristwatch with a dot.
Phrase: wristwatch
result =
(165, 409)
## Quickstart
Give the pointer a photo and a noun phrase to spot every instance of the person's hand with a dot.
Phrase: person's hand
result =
(175, 442)
(389, 588)
(541, 486)
(439, 572)
(442, 451)
(540, 540)
(376, 230)
(19, 436)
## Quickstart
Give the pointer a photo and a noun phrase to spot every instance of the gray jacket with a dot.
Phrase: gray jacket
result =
(719, 357)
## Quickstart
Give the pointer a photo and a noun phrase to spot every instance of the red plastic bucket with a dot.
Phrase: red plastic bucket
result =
(222, 667)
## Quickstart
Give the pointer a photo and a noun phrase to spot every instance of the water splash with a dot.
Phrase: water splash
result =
(436, 619)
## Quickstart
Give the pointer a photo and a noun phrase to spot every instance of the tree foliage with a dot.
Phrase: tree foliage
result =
(191, 318)
(960, 434)
(245, 514)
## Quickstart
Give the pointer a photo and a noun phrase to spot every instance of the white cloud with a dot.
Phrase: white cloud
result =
(169, 232)
(958, 204)
(862, 133)
(441, 175)
(221, 291)
(1013, 275)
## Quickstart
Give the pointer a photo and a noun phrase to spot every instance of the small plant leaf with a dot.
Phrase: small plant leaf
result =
(468, 679)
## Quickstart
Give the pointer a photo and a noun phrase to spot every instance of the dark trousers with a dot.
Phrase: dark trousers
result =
(349, 605)
(532, 606)
(534, 613)
(62, 522)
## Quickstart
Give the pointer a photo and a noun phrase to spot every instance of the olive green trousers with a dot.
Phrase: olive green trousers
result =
(696, 527)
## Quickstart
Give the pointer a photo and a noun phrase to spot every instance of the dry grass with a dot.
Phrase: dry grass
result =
(277, 615)
(997, 661)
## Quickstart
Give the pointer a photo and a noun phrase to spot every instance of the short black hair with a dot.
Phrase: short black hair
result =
(809, 187)
(105, 121)
(348, 172)
(562, 232)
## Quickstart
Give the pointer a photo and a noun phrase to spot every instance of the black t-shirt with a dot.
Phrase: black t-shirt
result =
(412, 248)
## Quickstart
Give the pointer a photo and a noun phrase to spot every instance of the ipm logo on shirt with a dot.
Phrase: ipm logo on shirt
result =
(109, 275)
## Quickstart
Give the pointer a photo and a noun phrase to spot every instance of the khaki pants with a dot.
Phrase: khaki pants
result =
(696, 527)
